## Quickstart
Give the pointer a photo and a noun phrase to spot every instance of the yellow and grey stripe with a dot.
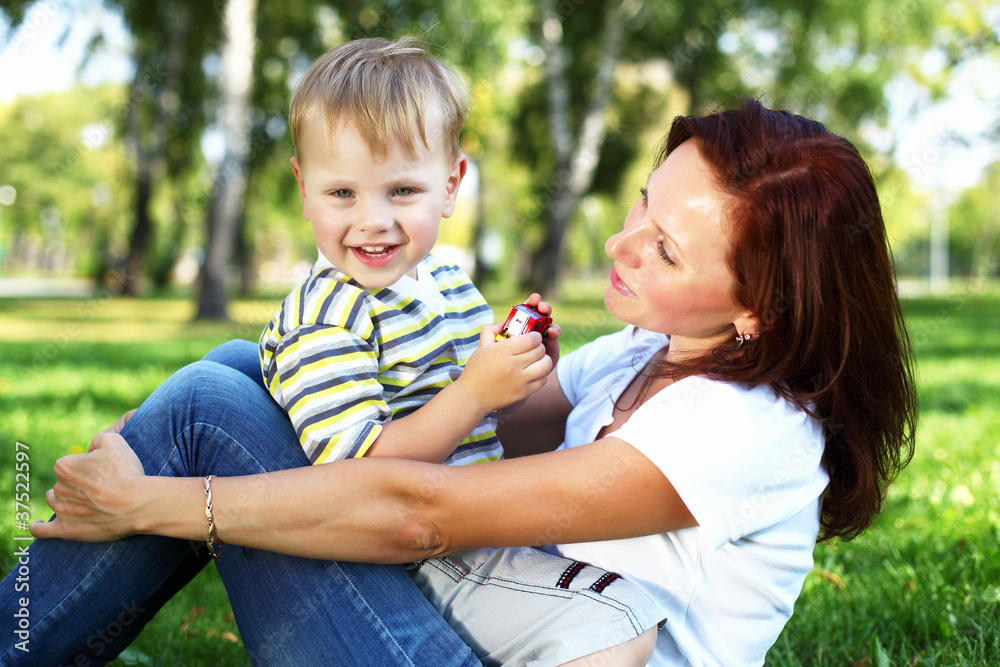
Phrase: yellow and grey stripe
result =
(343, 360)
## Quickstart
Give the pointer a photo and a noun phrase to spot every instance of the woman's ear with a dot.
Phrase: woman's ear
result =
(747, 323)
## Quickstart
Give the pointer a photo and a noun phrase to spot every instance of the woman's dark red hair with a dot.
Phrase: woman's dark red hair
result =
(811, 259)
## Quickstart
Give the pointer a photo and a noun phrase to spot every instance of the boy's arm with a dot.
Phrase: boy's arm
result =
(498, 374)
(326, 379)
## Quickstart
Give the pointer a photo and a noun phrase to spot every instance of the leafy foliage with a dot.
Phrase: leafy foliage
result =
(67, 172)
(830, 60)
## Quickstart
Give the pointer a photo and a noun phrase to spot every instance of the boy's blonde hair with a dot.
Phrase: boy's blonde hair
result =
(389, 91)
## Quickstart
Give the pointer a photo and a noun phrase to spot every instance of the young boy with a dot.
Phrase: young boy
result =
(379, 351)
(366, 355)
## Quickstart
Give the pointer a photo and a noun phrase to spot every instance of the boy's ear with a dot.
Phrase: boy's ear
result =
(459, 166)
(297, 169)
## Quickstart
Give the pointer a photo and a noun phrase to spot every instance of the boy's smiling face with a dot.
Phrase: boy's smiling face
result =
(374, 219)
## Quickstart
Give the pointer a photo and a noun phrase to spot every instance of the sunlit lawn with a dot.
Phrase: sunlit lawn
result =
(921, 588)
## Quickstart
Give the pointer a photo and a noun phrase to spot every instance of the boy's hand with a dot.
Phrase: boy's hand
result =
(551, 341)
(505, 372)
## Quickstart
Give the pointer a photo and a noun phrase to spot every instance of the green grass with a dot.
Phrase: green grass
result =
(921, 588)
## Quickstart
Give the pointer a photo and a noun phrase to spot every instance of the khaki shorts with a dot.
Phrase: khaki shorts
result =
(524, 607)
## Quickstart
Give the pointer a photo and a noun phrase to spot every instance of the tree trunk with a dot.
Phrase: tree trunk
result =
(162, 272)
(480, 270)
(239, 42)
(142, 228)
(151, 144)
(576, 157)
(134, 280)
(244, 257)
(984, 263)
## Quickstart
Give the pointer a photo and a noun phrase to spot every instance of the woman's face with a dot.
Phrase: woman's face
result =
(670, 273)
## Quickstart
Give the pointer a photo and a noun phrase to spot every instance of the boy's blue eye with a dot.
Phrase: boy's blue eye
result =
(341, 194)
(402, 192)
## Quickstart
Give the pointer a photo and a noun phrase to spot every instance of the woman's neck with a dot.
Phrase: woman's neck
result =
(683, 349)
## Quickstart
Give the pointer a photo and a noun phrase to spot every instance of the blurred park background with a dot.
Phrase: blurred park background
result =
(148, 212)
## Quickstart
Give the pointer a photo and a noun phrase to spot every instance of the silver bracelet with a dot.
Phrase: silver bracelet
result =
(211, 541)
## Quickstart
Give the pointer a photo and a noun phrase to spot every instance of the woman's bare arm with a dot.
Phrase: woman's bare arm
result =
(600, 491)
(385, 510)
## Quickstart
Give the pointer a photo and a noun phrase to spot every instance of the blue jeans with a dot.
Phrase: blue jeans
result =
(89, 601)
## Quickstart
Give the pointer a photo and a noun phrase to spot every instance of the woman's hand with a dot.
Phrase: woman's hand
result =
(92, 495)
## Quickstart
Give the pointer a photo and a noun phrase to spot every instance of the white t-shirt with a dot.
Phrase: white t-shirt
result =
(745, 461)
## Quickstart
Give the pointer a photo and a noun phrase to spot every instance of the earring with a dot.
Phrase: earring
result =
(745, 338)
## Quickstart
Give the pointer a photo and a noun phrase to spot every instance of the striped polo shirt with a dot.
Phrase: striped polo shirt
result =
(343, 360)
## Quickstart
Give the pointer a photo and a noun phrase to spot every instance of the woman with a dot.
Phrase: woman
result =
(761, 396)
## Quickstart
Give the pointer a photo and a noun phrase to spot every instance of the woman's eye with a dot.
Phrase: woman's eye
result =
(644, 195)
(664, 255)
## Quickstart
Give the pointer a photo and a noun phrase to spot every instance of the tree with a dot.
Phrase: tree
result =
(61, 160)
(164, 116)
(238, 46)
(150, 95)
(294, 33)
(576, 153)
(471, 35)
(974, 243)
(829, 60)
(580, 114)
(171, 96)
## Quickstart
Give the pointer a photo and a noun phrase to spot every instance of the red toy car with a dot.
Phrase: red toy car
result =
(524, 319)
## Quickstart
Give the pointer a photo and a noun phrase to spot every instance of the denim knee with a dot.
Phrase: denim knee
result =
(217, 421)
(240, 355)
(207, 391)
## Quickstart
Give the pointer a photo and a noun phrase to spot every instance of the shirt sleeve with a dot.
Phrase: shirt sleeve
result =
(326, 379)
(742, 459)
